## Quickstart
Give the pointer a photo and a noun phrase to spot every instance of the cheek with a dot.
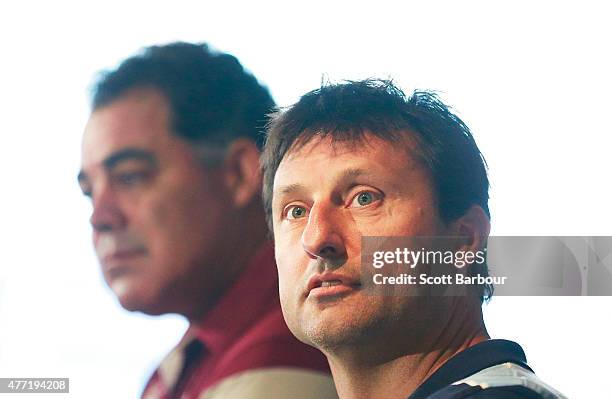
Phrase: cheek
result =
(159, 222)
(286, 290)
(284, 276)
(290, 291)
(289, 272)
(285, 296)
(407, 219)
(176, 225)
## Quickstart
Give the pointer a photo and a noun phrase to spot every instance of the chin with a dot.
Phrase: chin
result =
(328, 340)
(329, 335)
(138, 305)
(136, 299)
(329, 331)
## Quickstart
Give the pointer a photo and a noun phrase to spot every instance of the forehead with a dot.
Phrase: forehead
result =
(138, 119)
(321, 159)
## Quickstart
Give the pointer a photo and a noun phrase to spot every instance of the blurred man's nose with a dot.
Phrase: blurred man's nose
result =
(323, 235)
(106, 215)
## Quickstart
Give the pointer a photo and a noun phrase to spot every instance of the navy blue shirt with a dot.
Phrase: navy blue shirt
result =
(470, 361)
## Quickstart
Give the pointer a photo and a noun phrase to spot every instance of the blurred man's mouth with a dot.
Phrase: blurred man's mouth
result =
(118, 264)
(117, 251)
(124, 255)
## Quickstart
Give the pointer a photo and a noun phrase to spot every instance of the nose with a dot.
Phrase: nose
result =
(323, 236)
(107, 215)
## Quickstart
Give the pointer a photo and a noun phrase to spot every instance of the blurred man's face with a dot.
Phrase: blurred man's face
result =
(158, 215)
(325, 198)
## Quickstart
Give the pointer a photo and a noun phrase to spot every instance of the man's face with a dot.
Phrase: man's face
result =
(325, 198)
(158, 215)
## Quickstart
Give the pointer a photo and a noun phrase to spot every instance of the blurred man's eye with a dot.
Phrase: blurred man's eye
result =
(131, 178)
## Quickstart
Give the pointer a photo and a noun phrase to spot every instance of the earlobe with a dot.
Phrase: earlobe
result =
(243, 174)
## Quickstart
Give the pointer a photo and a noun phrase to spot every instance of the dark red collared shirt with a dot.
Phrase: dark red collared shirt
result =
(245, 331)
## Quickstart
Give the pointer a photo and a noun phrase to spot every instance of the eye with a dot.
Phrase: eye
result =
(365, 198)
(295, 212)
(130, 178)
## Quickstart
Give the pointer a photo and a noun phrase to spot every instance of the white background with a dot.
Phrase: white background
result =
(532, 80)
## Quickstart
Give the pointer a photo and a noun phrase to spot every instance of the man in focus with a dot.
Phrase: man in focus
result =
(170, 160)
(361, 159)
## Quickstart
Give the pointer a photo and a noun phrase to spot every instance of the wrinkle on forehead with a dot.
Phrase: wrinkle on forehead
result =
(358, 143)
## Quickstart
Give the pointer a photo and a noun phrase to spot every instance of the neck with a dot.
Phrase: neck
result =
(392, 370)
(244, 237)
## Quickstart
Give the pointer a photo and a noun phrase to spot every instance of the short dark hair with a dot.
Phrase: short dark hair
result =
(211, 97)
(347, 111)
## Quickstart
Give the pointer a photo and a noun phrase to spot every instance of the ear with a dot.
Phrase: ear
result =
(475, 226)
(242, 171)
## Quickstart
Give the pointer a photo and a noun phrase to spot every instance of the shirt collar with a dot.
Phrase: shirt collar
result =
(473, 359)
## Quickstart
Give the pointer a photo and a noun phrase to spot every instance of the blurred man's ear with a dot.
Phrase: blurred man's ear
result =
(475, 226)
(242, 172)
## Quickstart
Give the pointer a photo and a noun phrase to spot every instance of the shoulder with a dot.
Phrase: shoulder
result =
(502, 381)
(465, 391)
(273, 383)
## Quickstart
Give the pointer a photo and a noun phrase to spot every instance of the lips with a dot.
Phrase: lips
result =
(116, 250)
(123, 255)
(331, 284)
(118, 264)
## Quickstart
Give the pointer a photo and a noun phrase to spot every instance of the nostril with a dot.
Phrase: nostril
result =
(328, 251)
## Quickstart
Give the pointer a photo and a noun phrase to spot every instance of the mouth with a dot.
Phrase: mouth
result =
(330, 285)
(116, 263)
(125, 254)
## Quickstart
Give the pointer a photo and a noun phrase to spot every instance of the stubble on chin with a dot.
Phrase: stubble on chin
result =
(333, 332)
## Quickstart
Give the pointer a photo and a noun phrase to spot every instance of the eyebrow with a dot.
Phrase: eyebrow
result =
(128, 154)
(351, 174)
(344, 177)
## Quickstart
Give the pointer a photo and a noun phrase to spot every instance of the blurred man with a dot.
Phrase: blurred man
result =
(170, 160)
(361, 159)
